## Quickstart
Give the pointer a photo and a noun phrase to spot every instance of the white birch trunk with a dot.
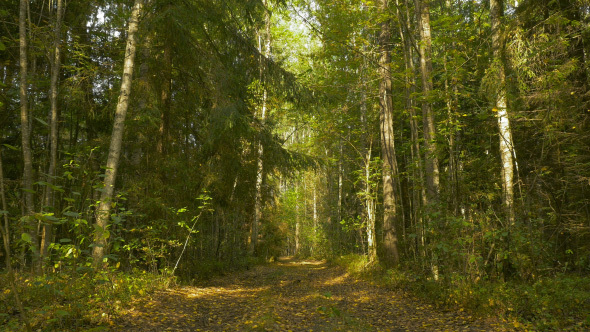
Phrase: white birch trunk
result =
(501, 110)
(106, 197)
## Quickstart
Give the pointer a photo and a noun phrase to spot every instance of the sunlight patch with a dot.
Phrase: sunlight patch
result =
(337, 280)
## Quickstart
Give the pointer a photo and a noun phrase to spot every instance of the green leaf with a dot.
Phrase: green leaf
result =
(26, 237)
(42, 122)
(64, 240)
(2, 46)
(71, 214)
(3, 212)
(11, 147)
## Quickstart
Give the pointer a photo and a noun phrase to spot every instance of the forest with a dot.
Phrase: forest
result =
(436, 147)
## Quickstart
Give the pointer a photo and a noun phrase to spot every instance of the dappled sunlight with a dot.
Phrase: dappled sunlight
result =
(362, 296)
(312, 262)
(288, 295)
(337, 280)
(236, 292)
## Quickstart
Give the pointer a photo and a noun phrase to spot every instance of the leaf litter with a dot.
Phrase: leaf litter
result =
(292, 295)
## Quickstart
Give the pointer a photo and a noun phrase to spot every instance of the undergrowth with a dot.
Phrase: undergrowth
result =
(73, 301)
(79, 299)
(553, 303)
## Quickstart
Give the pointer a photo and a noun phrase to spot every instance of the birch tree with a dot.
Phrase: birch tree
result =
(104, 207)
(501, 111)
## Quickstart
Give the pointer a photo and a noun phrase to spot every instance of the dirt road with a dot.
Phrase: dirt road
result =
(292, 296)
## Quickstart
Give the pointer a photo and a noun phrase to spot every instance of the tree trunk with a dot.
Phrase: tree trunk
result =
(104, 208)
(265, 51)
(26, 136)
(55, 66)
(370, 210)
(417, 176)
(451, 103)
(432, 172)
(297, 222)
(505, 133)
(366, 156)
(501, 110)
(391, 256)
(165, 102)
(340, 178)
(431, 160)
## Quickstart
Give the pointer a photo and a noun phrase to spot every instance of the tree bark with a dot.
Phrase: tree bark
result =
(104, 208)
(501, 110)
(55, 67)
(366, 156)
(265, 51)
(451, 104)
(370, 209)
(431, 160)
(416, 177)
(297, 222)
(432, 172)
(26, 136)
(165, 101)
(391, 255)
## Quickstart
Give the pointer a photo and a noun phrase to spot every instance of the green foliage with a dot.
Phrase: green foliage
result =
(357, 265)
(72, 300)
(554, 303)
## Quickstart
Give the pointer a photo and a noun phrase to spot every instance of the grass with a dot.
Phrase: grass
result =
(554, 303)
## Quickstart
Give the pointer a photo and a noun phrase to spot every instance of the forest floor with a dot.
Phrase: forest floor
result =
(292, 295)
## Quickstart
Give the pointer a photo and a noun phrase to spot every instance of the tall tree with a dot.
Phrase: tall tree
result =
(501, 110)
(104, 209)
(431, 160)
(26, 134)
(387, 139)
(264, 44)
(432, 172)
(51, 173)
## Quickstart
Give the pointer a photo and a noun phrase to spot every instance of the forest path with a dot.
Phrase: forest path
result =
(292, 296)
